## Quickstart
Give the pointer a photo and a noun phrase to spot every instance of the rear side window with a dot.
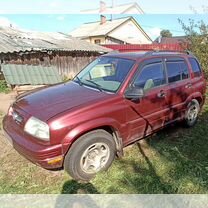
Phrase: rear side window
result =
(184, 70)
(176, 71)
(195, 67)
(151, 75)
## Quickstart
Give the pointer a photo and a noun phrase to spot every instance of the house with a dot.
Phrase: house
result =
(130, 8)
(171, 40)
(35, 58)
(116, 31)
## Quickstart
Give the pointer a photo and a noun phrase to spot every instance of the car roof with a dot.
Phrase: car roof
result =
(147, 54)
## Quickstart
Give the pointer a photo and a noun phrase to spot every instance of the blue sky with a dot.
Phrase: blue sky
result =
(63, 15)
(67, 22)
(74, 6)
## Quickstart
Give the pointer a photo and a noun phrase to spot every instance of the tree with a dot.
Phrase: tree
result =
(166, 33)
(197, 41)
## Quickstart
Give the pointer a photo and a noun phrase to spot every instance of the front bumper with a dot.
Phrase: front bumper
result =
(46, 156)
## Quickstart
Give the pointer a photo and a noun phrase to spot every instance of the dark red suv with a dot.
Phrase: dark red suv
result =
(117, 99)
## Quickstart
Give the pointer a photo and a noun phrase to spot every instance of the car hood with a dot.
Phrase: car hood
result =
(48, 102)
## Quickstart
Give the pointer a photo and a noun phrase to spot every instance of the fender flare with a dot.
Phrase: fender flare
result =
(83, 128)
(196, 95)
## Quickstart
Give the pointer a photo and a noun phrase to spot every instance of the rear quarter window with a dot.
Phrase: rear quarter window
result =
(195, 67)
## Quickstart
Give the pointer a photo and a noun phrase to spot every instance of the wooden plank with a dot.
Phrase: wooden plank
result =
(25, 88)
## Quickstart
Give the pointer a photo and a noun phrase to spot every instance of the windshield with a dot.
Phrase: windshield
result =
(105, 73)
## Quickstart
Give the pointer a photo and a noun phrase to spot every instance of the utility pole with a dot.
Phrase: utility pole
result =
(112, 5)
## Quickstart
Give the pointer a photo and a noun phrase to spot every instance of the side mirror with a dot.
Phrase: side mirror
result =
(134, 93)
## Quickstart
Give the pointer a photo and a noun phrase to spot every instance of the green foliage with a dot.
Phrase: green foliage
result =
(3, 86)
(166, 33)
(65, 78)
(197, 39)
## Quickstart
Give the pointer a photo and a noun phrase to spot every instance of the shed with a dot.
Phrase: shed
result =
(26, 53)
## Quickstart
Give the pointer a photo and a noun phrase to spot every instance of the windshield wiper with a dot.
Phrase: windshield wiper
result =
(79, 81)
(96, 84)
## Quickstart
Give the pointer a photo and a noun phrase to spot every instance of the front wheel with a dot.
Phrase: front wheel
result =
(192, 112)
(90, 154)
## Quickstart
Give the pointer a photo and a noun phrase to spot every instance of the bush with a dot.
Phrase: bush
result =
(197, 39)
(3, 86)
(66, 78)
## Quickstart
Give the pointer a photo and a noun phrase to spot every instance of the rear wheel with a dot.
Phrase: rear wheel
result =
(90, 154)
(192, 112)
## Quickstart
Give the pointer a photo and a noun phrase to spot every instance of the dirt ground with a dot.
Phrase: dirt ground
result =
(6, 100)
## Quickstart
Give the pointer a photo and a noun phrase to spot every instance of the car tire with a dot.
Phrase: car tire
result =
(90, 154)
(191, 114)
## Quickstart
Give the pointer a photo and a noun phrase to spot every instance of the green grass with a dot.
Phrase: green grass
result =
(175, 160)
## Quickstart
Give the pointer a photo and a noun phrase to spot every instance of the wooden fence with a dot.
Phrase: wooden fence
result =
(67, 63)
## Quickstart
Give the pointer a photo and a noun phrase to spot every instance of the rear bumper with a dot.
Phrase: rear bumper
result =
(37, 153)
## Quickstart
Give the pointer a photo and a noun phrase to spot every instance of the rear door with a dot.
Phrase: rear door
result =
(198, 82)
(180, 86)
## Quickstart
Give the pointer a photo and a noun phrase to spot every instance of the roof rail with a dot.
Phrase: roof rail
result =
(150, 53)
(189, 52)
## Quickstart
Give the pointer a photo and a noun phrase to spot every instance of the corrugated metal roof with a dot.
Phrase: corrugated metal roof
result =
(16, 40)
(97, 29)
(28, 74)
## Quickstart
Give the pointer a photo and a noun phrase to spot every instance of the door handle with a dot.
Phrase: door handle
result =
(161, 94)
(189, 85)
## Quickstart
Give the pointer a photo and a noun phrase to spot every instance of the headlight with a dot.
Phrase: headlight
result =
(37, 128)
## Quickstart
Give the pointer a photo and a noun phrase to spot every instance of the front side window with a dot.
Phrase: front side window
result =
(105, 73)
(195, 67)
(177, 70)
(151, 76)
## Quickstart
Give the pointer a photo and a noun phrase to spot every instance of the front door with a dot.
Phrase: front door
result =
(150, 112)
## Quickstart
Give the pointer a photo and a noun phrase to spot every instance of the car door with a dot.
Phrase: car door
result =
(150, 112)
(180, 86)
